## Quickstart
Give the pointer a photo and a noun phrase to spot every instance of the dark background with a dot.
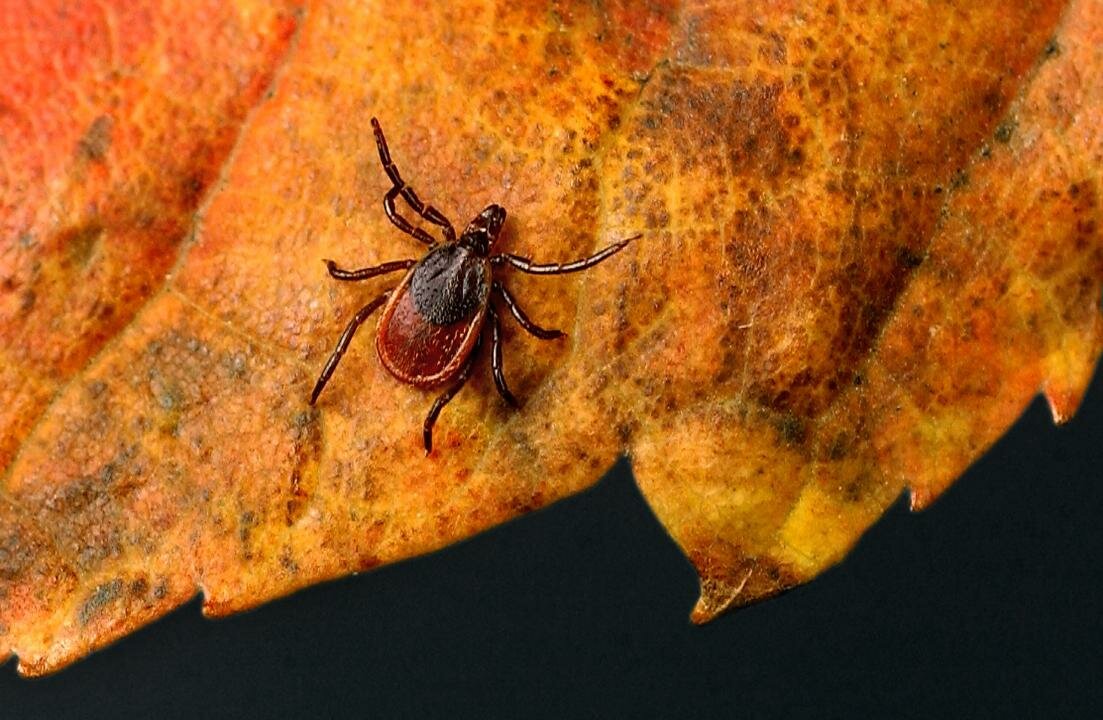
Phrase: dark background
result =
(988, 604)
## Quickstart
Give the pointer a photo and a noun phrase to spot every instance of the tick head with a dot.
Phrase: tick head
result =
(482, 232)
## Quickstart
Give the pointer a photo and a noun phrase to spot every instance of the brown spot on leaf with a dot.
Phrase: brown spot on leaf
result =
(307, 438)
(16, 555)
(80, 242)
(95, 142)
(101, 596)
(1005, 130)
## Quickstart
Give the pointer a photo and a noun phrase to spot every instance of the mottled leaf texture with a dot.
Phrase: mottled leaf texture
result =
(871, 233)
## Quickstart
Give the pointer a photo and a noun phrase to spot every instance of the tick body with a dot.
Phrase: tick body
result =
(431, 328)
(434, 318)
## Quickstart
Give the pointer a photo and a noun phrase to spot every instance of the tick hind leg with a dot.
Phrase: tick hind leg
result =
(445, 397)
(343, 343)
(399, 187)
(523, 319)
(496, 358)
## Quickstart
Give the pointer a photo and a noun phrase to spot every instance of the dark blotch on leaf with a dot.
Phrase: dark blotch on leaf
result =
(17, 553)
(792, 429)
(960, 179)
(97, 139)
(100, 597)
(80, 242)
(1005, 130)
(909, 258)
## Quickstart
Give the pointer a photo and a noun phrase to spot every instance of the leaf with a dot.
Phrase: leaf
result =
(869, 238)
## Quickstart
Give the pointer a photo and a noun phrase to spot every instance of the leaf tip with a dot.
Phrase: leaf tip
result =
(1069, 372)
(921, 497)
(1063, 400)
(755, 579)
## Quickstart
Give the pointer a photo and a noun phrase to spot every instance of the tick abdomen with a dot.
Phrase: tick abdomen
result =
(433, 319)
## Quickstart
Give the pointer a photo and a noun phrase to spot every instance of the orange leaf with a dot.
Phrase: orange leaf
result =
(868, 241)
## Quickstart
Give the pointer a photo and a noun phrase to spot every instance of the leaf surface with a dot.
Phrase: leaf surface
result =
(869, 238)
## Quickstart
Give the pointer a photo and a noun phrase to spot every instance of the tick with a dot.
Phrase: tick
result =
(431, 328)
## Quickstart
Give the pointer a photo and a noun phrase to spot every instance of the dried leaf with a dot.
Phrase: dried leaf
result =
(869, 238)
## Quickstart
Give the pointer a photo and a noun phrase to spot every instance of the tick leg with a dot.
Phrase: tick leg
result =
(427, 211)
(442, 400)
(496, 358)
(522, 319)
(400, 187)
(402, 223)
(343, 343)
(368, 272)
(525, 265)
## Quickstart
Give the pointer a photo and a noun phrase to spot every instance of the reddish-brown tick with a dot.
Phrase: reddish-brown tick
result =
(431, 327)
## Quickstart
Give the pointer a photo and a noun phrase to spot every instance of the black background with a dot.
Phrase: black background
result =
(988, 604)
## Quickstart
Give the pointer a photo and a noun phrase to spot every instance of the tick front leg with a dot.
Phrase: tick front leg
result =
(400, 187)
(496, 358)
(523, 319)
(402, 223)
(343, 343)
(525, 265)
(368, 272)
(444, 398)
